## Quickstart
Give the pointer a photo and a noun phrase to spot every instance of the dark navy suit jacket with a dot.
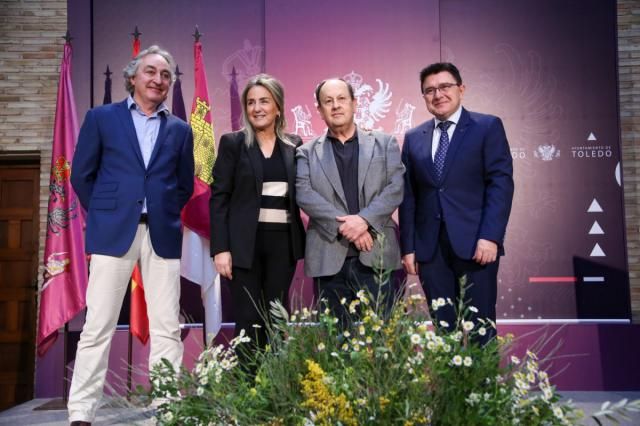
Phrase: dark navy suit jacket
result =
(474, 195)
(111, 181)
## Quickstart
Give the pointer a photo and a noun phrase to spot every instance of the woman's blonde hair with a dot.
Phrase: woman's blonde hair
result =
(274, 87)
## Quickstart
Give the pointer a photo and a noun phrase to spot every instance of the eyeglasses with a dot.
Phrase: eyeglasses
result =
(340, 100)
(444, 88)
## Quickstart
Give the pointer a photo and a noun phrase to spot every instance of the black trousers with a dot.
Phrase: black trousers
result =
(269, 279)
(352, 277)
(441, 279)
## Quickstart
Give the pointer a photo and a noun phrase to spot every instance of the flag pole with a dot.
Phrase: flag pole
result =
(74, 273)
(196, 37)
(138, 305)
(129, 362)
(65, 339)
(65, 370)
(60, 403)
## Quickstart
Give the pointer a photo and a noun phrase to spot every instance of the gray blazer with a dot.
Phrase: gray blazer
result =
(320, 194)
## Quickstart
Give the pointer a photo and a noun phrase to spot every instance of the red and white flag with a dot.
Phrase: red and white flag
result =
(196, 264)
(138, 319)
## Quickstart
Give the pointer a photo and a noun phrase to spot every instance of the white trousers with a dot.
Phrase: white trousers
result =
(108, 281)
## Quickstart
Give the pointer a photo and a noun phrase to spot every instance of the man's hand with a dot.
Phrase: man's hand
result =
(409, 263)
(486, 252)
(223, 264)
(364, 242)
(353, 226)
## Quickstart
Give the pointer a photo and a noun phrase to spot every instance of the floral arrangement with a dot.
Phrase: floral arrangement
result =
(394, 369)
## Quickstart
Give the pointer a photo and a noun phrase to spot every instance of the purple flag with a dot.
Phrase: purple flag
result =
(65, 277)
(107, 87)
(236, 106)
(177, 103)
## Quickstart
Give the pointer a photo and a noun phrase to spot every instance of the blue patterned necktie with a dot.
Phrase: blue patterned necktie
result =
(443, 146)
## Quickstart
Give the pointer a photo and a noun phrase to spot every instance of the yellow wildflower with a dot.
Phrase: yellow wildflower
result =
(383, 401)
(328, 408)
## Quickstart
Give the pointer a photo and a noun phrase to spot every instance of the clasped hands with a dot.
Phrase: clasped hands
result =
(355, 229)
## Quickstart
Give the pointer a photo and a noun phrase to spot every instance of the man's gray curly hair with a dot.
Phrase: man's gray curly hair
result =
(131, 68)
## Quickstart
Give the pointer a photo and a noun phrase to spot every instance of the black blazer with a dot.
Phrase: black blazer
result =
(235, 199)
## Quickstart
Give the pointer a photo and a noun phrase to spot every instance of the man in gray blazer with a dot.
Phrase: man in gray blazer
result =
(349, 182)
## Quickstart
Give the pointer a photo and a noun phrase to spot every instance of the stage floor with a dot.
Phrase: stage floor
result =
(25, 414)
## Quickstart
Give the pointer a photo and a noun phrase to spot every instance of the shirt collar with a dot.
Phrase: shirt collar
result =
(353, 138)
(455, 117)
(162, 108)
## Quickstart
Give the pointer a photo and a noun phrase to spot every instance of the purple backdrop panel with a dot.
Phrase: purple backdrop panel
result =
(232, 37)
(550, 74)
(546, 68)
(78, 13)
(378, 46)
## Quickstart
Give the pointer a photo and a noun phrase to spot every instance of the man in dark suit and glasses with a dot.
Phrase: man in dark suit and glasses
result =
(458, 193)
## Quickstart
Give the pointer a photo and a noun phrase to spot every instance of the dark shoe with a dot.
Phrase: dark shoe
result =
(79, 423)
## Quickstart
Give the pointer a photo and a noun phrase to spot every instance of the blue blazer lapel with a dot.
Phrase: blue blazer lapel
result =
(324, 151)
(427, 147)
(127, 123)
(163, 134)
(456, 141)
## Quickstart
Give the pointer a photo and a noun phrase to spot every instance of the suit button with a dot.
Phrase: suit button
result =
(140, 202)
(441, 189)
(438, 217)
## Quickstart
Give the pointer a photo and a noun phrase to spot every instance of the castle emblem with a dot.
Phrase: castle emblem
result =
(204, 147)
(546, 152)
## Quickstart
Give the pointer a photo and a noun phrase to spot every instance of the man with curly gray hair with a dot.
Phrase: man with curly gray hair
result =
(133, 172)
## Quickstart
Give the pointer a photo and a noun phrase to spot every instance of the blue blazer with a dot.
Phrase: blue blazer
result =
(111, 181)
(473, 196)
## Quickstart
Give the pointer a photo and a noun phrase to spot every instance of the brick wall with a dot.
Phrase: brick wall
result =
(31, 49)
(629, 81)
(30, 55)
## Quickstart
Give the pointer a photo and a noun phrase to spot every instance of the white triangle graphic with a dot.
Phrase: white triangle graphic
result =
(594, 207)
(596, 229)
(597, 251)
(592, 137)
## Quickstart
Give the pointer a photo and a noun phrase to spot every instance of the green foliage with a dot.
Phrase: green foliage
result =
(384, 370)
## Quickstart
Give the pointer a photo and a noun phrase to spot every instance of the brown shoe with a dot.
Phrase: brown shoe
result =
(80, 423)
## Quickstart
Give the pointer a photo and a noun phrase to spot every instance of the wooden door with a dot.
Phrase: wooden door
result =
(19, 200)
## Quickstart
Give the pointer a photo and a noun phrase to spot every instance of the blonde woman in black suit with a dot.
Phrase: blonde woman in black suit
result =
(256, 231)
